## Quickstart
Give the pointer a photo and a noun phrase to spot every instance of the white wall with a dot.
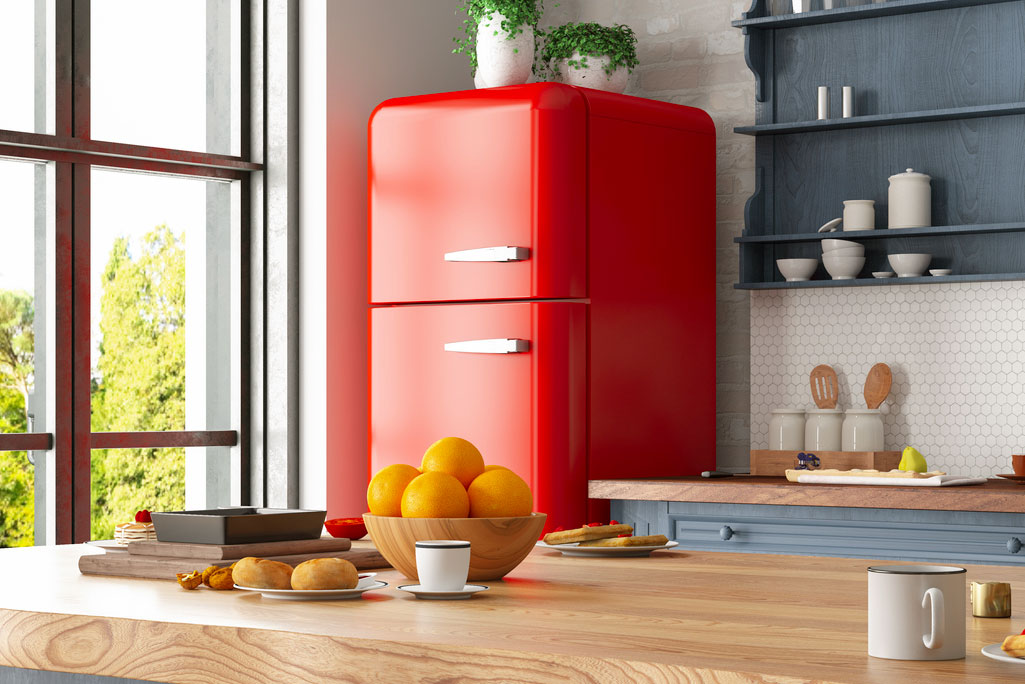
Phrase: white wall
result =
(355, 54)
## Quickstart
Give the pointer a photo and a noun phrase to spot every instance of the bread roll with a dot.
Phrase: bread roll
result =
(325, 573)
(262, 574)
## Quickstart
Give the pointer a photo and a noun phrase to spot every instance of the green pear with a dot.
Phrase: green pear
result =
(912, 459)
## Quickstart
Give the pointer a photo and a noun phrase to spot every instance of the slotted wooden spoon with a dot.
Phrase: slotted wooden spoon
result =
(824, 386)
(877, 385)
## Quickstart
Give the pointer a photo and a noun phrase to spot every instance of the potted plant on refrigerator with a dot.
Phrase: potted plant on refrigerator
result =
(591, 55)
(499, 40)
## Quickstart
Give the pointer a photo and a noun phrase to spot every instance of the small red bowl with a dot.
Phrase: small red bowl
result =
(352, 528)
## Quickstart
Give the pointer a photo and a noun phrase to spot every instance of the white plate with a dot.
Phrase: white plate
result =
(366, 583)
(592, 551)
(996, 653)
(464, 593)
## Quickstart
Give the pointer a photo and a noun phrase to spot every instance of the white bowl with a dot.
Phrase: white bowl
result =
(797, 270)
(939, 271)
(882, 274)
(846, 251)
(910, 265)
(843, 267)
(830, 244)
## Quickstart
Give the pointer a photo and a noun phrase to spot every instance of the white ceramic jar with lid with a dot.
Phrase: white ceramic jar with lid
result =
(910, 200)
(822, 429)
(786, 430)
(863, 430)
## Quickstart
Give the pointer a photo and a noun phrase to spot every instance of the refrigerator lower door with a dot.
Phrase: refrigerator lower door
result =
(509, 377)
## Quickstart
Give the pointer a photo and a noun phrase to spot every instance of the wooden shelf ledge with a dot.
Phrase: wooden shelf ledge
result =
(875, 282)
(877, 9)
(996, 496)
(870, 120)
(885, 233)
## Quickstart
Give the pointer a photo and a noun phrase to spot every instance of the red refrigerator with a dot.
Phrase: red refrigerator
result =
(542, 283)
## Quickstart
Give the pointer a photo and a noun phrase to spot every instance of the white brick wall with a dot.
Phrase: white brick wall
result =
(690, 55)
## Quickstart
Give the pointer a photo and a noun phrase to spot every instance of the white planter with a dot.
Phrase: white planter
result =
(501, 61)
(593, 75)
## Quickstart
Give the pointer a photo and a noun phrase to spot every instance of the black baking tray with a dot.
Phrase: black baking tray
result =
(242, 525)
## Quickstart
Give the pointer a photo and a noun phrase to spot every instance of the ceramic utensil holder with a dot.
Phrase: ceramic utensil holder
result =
(786, 429)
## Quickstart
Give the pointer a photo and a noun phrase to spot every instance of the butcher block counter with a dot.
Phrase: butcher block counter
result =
(995, 496)
(676, 616)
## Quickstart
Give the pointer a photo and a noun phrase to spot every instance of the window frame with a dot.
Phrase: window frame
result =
(73, 154)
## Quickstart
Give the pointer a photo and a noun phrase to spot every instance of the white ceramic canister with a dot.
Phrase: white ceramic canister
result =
(786, 430)
(823, 429)
(863, 430)
(859, 215)
(916, 612)
(910, 198)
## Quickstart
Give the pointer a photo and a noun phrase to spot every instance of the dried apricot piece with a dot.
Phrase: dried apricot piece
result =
(209, 571)
(190, 580)
(222, 579)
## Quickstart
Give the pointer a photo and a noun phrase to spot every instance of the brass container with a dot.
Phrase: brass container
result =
(991, 599)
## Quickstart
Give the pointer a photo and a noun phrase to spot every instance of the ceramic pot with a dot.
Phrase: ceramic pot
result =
(593, 75)
(862, 430)
(910, 199)
(502, 61)
(822, 429)
(786, 430)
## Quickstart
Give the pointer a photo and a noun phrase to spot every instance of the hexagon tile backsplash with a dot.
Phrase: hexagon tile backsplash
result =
(957, 352)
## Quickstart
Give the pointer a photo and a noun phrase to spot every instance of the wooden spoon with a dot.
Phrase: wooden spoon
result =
(824, 386)
(877, 385)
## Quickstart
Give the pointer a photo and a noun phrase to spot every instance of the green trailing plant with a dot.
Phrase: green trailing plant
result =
(516, 13)
(590, 39)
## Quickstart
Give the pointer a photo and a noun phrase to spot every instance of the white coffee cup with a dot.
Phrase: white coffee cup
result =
(916, 612)
(442, 564)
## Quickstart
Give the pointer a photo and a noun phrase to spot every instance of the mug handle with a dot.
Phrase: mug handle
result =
(935, 598)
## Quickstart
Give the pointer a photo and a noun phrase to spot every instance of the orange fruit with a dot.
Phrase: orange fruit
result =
(499, 493)
(494, 467)
(384, 494)
(455, 456)
(435, 495)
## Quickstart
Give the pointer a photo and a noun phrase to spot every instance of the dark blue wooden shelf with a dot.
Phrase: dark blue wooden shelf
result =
(879, 9)
(869, 282)
(886, 234)
(951, 114)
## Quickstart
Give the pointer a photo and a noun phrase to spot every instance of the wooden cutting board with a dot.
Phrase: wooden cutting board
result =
(160, 567)
(232, 552)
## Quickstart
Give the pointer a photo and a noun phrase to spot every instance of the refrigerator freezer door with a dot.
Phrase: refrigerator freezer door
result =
(479, 195)
(521, 398)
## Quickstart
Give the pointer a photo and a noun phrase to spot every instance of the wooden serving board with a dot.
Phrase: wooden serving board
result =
(232, 552)
(766, 462)
(160, 567)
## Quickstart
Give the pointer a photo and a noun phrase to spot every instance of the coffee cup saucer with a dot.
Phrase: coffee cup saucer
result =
(464, 593)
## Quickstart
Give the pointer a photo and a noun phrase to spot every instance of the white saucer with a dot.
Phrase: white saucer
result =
(366, 583)
(996, 653)
(596, 551)
(464, 593)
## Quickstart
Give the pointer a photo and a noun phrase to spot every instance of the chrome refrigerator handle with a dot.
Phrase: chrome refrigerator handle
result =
(490, 254)
(501, 345)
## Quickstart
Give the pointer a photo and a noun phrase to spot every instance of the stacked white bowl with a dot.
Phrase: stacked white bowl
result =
(843, 259)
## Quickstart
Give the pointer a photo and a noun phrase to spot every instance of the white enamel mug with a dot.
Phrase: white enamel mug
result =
(442, 564)
(916, 612)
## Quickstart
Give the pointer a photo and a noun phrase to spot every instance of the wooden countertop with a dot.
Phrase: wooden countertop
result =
(996, 496)
(677, 616)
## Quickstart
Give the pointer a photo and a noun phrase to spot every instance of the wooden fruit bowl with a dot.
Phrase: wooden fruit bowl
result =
(497, 545)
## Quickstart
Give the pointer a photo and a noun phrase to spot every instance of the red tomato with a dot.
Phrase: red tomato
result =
(353, 528)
